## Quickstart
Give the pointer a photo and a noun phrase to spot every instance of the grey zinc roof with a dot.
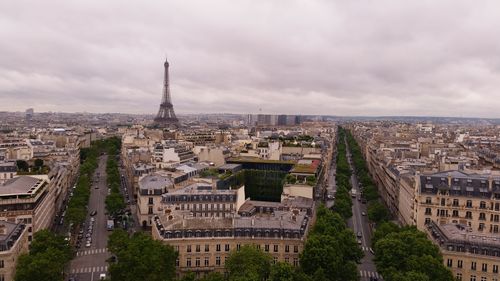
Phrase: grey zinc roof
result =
(19, 185)
(154, 182)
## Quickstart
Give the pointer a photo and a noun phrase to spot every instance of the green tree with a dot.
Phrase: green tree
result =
(22, 166)
(114, 203)
(383, 230)
(343, 207)
(409, 250)
(282, 271)
(213, 276)
(38, 163)
(377, 212)
(249, 264)
(48, 256)
(135, 256)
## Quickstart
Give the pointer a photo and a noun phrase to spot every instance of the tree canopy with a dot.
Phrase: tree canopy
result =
(46, 260)
(140, 258)
(406, 253)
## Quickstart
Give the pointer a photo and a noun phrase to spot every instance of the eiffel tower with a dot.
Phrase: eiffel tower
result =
(166, 116)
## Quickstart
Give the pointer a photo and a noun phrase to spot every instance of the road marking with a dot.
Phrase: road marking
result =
(366, 249)
(369, 274)
(91, 252)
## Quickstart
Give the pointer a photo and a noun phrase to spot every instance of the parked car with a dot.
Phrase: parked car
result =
(363, 213)
(87, 244)
(93, 213)
(359, 234)
(360, 242)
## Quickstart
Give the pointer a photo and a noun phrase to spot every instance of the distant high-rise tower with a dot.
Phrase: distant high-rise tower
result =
(166, 116)
(29, 114)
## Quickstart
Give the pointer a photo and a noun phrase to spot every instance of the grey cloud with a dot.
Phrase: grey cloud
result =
(355, 57)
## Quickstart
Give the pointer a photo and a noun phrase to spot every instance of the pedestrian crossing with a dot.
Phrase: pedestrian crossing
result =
(370, 274)
(366, 249)
(91, 252)
(91, 269)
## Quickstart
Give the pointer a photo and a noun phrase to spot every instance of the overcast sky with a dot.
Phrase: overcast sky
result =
(439, 58)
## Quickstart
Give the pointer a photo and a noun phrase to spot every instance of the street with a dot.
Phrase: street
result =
(359, 224)
(90, 262)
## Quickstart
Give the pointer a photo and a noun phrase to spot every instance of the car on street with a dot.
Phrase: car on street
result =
(93, 213)
(363, 213)
(360, 242)
(87, 245)
(359, 234)
(102, 276)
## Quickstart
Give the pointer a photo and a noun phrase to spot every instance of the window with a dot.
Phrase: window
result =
(468, 215)
(460, 264)
(275, 260)
(217, 247)
(238, 247)
(150, 200)
(188, 262)
(455, 213)
(287, 248)
(482, 205)
(443, 201)
(295, 262)
(198, 248)
(428, 200)
(482, 216)
(459, 276)
(197, 262)
(150, 210)
(473, 265)
(483, 278)
(484, 267)
(207, 248)
(455, 202)
(468, 204)
(287, 260)
(2, 264)
(473, 278)
(449, 262)
(266, 248)
(226, 247)
(188, 248)
(275, 248)
(495, 268)
(207, 262)
(295, 249)
(427, 220)
(428, 211)
(177, 262)
(217, 261)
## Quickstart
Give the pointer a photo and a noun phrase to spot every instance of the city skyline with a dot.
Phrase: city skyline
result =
(308, 58)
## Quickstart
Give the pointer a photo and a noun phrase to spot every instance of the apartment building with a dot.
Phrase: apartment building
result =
(469, 254)
(171, 153)
(28, 200)
(8, 170)
(460, 198)
(149, 197)
(13, 243)
(204, 225)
